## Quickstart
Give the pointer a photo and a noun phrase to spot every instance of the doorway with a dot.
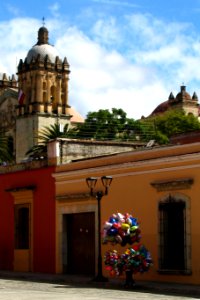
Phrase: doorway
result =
(22, 251)
(79, 243)
(172, 235)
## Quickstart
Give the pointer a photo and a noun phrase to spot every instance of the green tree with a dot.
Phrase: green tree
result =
(174, 122)
(48, 133)
(107, 125)
(147, 130)
(114, 125)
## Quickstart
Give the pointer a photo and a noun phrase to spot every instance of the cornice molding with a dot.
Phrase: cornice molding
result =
(21, 188)
(176, 184)
(73, 197)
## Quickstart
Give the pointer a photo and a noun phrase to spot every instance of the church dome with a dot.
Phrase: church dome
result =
(183, 95)
(75, 116)
(161, 108)
(182, 99)
(43, 51)
(42, 48)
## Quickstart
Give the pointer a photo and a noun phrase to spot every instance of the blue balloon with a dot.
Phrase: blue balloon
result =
(112, 231)
(134, 221)
(112, 220)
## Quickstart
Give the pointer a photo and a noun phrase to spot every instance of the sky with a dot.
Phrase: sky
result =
(128, 54)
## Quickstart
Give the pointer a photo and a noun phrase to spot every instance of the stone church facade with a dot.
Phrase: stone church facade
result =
(38, 98)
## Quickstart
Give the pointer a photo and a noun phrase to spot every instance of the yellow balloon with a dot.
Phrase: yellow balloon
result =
(125, 226)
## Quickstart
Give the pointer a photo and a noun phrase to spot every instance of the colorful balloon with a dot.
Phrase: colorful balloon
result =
(135, 259)
(121, 228)
(124, 229)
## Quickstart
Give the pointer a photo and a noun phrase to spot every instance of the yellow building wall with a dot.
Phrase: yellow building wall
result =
(132, 191)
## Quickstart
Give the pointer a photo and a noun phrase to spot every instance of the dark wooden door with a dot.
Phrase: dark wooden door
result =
(173, 224)
(22, 251)
(80, 243)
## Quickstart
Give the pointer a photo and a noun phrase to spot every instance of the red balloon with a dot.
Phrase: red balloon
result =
(116, 225)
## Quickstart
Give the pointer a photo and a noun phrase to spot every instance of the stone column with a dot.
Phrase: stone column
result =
(58, 94)
(39, 92)
(39, 88)
(65, 93)
(49, 104)
(48, 89)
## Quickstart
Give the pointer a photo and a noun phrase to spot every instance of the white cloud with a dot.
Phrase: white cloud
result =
(20, 36)
(153, 33)
(136, 102)
(54, 9)
(13, 9)
(106, 31)
(105, 79)
(151, 59)
(115, 2)
(165, 55)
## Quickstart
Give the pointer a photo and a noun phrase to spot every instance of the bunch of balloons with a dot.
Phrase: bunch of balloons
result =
(111, 260)
(122, 229)
(135, 259)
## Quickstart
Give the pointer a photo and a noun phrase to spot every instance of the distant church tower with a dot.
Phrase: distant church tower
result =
(43, 89)
(183, 101)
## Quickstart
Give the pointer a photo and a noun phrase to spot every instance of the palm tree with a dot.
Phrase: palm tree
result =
(39, 151)
(5, 151)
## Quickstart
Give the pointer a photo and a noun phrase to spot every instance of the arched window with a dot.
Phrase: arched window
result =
(44, 85)
(27, 98)
(44, 97)
(11, 144)
(53, 99)
(44, 92)
(174, 233)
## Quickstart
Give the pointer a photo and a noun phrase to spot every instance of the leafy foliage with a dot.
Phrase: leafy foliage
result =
(45, 135)
(174, 122)
(114, 125)
(106, 125)
(5, 149)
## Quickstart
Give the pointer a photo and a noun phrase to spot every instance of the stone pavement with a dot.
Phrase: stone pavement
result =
(28, 286)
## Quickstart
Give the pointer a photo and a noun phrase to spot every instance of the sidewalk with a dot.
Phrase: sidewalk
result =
(113, 283)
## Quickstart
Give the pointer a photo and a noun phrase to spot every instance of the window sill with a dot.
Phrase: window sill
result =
(174, 272)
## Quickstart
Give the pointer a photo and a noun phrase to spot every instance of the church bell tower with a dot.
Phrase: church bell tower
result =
(43, 93)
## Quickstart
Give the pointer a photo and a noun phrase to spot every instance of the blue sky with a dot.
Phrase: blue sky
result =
(127, 54)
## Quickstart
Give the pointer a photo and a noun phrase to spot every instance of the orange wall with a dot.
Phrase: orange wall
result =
(131, 191)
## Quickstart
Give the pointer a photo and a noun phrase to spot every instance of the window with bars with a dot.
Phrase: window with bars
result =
(174, 245)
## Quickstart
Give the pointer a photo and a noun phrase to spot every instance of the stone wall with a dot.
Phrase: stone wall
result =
(61, 151)
(27, 129)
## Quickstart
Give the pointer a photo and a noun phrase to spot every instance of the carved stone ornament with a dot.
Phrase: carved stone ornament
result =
(175, 184)
(7, 116)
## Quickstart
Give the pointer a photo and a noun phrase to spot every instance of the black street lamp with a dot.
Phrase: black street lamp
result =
(91, 182)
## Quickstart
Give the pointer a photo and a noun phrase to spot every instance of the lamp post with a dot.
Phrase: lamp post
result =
(91, 182)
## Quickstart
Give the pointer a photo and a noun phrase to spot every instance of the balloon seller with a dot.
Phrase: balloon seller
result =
(124, 229)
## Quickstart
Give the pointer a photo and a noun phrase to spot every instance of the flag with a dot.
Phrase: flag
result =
(21, 97)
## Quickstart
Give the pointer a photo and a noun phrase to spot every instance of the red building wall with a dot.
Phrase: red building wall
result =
(6, 227)
(43, 222)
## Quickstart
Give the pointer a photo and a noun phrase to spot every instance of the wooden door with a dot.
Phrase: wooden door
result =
(22, 252)
(80, 230)
(173, 235)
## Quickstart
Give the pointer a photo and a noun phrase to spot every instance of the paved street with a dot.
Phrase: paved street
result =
(32, 290)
